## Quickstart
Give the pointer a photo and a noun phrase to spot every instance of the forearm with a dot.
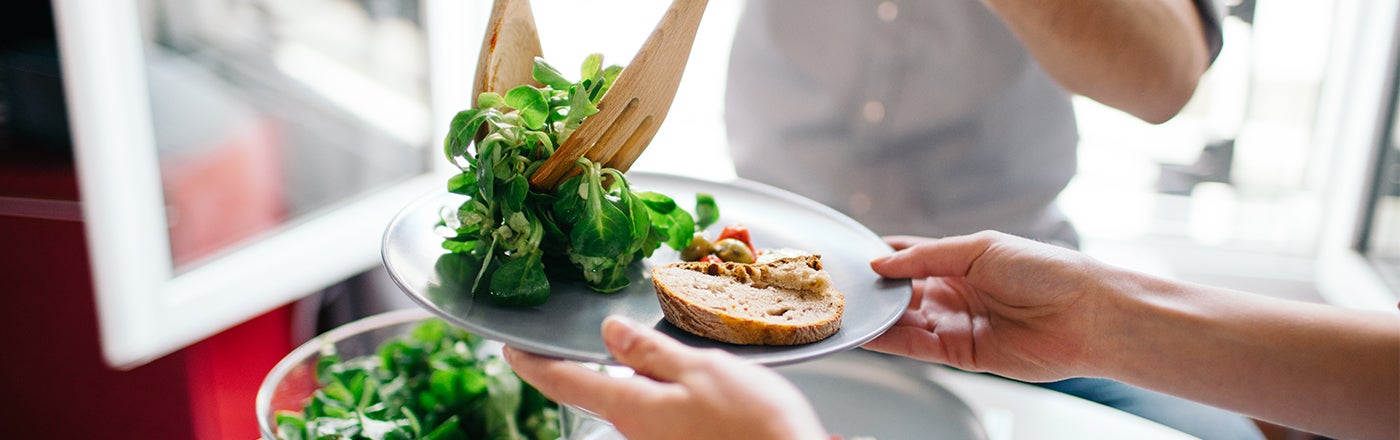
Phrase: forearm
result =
(1330, 370)
(1143, 57)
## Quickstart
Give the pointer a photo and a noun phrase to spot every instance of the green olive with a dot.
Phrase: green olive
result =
(733, 251)
(698, 248)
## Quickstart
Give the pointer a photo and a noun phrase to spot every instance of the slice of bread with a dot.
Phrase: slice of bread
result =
(787, 301)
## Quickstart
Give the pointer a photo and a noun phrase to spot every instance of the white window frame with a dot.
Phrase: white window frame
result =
(146, 309)
(1353, 115)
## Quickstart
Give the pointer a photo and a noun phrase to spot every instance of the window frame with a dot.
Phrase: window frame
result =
(1357, 119)
(147, 309)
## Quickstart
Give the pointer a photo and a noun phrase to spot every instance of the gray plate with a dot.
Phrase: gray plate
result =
(864, 394)
(567, 326)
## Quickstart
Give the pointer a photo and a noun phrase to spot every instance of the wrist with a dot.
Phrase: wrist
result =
(1132, 310)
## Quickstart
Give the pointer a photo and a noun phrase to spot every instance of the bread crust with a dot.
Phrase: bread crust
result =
(789, 301)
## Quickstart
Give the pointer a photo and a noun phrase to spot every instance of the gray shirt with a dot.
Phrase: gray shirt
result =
(913, 117)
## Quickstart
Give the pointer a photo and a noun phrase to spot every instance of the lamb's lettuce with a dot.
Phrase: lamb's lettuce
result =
(593, 220)
(431, 384)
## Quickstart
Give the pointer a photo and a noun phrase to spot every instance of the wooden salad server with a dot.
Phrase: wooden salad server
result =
(631, 112)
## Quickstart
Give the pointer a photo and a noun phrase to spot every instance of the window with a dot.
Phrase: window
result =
(315, 121)
(236, 155)
(1357, 254)
(1380, 240)
(1263, 183)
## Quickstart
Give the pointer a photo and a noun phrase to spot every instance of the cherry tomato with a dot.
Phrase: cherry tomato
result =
(710, 258)
(737, 232)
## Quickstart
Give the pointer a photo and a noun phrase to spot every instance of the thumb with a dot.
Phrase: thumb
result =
(647, 351)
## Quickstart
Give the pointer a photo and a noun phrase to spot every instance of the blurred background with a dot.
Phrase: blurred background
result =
(265, 117)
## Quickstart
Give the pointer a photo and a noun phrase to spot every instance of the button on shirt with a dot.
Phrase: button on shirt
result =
(913, 117)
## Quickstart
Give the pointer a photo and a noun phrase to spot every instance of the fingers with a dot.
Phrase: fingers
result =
(569, 383)
(952, 256)
(900, 242)
(910, 342)
(649, 352)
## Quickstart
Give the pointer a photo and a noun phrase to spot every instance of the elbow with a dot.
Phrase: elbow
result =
(1159, 113)
(1161, 101)
(1162, 94)
(1154, 99)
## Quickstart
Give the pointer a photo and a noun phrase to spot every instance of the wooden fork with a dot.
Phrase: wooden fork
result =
(628, 116)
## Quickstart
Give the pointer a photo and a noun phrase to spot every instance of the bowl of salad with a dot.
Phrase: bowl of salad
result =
(401, 375)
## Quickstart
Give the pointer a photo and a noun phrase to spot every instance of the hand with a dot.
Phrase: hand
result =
(995, 302)
(678, 392)
(1031, 311)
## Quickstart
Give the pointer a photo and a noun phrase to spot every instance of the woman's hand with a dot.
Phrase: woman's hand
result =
(678, 391)
(995, 302)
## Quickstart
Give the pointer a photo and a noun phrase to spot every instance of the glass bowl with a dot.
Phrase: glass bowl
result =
(292, 381)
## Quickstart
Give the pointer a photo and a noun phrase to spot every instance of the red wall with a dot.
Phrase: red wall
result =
(55, 382)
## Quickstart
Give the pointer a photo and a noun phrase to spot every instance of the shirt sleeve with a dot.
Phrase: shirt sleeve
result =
(1212, 13)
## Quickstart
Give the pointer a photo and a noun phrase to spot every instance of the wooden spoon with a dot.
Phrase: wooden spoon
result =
(508, 50)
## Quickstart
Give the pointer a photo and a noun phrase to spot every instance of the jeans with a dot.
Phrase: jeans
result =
(1204, 421)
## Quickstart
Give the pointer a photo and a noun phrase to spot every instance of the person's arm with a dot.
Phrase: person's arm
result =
(679, 391)
(1036, 312)
(1144, 57)
(1310, 366)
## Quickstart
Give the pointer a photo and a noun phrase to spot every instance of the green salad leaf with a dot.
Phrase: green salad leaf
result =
(593, 221)
(431, 384)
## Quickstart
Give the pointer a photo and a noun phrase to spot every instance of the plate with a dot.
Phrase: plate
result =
(862, 394)
(568, 325)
